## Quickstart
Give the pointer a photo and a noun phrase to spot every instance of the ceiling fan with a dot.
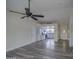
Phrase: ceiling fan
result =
(28, 13)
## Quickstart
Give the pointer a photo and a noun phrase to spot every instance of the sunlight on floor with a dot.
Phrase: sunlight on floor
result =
(50, 44)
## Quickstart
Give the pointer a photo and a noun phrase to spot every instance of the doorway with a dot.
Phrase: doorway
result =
(47, 32)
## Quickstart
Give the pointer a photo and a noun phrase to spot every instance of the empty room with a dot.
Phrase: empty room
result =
(39, 29)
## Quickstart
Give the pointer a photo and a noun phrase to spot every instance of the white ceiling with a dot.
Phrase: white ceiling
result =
(54, 10)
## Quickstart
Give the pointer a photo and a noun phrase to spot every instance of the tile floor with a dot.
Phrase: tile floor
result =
(44, 49)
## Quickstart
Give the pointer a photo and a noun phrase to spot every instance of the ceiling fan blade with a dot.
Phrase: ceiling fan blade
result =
(23, 17)
(17, 12)
(38, 16)
(34, 18)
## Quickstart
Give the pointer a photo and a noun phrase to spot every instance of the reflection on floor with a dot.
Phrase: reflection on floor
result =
(44, 49)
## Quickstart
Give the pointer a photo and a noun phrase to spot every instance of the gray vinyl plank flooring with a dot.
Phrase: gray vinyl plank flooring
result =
(44, 49)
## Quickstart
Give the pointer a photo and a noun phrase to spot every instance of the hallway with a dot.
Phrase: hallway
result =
(44, 49)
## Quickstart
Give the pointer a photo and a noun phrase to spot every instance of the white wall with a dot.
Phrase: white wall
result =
(63, 31)
(56, 32)
(19, 32)
(68, 27)
(38, 37)
(71, 29)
